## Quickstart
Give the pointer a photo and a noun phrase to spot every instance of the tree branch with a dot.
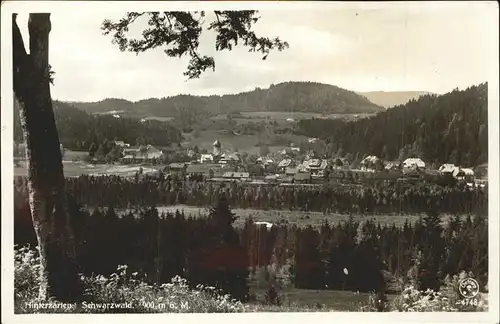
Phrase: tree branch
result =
(180, 32)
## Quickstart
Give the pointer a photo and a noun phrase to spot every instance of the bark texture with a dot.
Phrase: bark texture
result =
(51, 220)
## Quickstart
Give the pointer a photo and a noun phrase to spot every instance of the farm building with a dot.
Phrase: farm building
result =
(229, 158)
(463, 173)
(151, 152)
(145, 153)
(284, 164)
(369, 163)
(315, 166)
(264, 160)
(468, 172)
(447, 168)
(413, 164)
(206, 158)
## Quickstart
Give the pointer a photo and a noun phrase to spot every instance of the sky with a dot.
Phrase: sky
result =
(382, 47)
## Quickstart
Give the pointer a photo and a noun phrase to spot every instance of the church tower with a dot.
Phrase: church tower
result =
(217, 148)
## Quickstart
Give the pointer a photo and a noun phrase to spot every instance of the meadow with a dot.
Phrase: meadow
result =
(299, 218)
(284, 115)
(77, 168)
(231, 142)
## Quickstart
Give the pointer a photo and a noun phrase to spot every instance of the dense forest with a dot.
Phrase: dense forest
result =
(381, 197)
(362, 256)
(78, 130)
(451, 128)
(282, 97)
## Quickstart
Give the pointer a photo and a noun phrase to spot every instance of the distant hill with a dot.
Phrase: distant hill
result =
(388, 99)
(78, 130)
(282, 97)
(450, 128)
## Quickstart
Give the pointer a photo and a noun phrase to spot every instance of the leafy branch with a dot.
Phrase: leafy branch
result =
(179, 33)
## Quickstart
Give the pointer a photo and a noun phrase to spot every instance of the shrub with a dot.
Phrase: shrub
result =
(447, 299)
(121, 287)
(27, 276)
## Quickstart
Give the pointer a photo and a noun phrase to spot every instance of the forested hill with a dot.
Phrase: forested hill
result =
(282, 97)
(449, 128)
(390, 99)
(78, 130)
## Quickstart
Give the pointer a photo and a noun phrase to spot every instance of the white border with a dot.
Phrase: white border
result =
(8, 7)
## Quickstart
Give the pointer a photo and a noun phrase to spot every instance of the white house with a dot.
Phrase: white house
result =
(413, 163)
(284, 164)
(463, 173)
(264, 160)
(369, 162)
(468, 171)
(228, 158)
(447, 168)
(206, 158)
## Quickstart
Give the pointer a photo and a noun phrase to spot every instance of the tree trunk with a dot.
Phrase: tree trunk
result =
(45, 170)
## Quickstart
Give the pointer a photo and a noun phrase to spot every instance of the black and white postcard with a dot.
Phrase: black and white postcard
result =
(283, 161)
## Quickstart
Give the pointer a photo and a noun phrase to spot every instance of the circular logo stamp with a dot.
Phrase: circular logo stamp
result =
(468, 288)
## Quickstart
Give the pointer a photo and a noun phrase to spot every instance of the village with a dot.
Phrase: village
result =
(290, 166)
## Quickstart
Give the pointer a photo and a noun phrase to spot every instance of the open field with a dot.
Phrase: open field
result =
(301, 218)
(283, 115)
(78, 168)
(241, 143)
(162, 119)
(75, 155)
(299, 115)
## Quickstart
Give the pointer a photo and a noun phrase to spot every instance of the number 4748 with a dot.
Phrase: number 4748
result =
(469, 302)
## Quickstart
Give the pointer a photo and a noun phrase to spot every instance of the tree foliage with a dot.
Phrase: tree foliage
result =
(79, 130)
(307, 97)
(339, 255)
(451, 128)
(178, 33)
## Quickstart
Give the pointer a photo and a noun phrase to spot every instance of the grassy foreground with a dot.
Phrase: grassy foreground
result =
(124, 292)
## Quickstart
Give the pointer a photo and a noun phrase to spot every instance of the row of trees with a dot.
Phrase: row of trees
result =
(371, 198)
(363, 256)
(451, 128)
